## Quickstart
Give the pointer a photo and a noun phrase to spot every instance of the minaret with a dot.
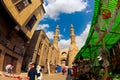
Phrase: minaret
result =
(73, 49)
(56, 36)
(72, 35)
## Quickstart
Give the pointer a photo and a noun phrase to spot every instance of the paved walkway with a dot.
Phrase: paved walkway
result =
(56, 76)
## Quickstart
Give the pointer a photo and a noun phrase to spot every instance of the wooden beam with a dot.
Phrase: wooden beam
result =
(100, 39)
(111, 32)
(103, 35)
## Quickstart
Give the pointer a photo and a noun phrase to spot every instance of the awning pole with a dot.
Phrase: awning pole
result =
(106, 69)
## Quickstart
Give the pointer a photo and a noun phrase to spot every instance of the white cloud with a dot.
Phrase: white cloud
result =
(80, 39)
(64, 44)
(42, 26)
(45, 27)
(55, 7)
(50, 34)
(60, 36)
(64, 29)
(88, 11)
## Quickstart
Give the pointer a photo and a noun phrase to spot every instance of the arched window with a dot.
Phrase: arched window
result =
(64, 53)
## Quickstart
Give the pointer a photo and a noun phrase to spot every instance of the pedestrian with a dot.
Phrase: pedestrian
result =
(63, 70)
(58, 68)
(9, 68)
(32, 72)
(39, 70)
(74, 71)
(40, 77)
(69, 74)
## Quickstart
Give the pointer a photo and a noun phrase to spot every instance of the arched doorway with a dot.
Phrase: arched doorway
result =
(64, 59)
(63, 62)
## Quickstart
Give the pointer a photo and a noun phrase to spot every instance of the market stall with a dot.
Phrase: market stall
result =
(104, 34)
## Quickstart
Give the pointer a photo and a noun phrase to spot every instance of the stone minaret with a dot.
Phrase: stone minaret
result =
(56, 37)
(73, 49)
(72, 35)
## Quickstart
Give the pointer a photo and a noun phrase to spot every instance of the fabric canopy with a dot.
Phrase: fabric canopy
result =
(105, 28)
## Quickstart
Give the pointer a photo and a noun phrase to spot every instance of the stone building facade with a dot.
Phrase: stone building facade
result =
(63, 58)
(66, 57)
(18, 21)
(40, 50)
(44, 53)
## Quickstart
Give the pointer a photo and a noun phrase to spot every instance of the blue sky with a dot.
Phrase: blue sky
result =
(66, 12)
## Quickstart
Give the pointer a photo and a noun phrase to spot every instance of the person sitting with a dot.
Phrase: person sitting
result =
(9, 68)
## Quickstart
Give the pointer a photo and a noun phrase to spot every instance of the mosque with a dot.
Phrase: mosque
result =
(66, 57)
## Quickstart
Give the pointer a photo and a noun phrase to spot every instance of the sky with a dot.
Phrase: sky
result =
(66, 12)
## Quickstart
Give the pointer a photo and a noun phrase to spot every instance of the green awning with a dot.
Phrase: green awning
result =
(105, 26)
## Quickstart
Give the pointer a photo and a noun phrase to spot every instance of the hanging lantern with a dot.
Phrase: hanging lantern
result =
(106, 14)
